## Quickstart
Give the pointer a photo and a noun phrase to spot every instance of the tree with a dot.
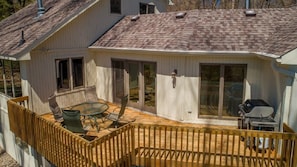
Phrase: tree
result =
(228, 4)
(8, 7)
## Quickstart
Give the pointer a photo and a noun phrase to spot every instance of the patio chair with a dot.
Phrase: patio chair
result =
(72, 121)
(90, 94)
(56, 110)
(115, 117)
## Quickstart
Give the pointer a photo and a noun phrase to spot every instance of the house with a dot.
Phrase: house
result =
(193, 66)
(44, 50)
(197, 66)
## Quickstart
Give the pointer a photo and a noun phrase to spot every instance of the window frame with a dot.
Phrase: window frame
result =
(70, 79)
(115, 6)
(221, 90)
(147, 7)
(10, 78)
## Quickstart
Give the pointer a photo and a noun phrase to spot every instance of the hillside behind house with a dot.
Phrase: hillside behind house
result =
(180, 5)
(8, 7)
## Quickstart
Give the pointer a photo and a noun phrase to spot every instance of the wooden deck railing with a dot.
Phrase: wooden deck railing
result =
(153, 145)
(187, 146)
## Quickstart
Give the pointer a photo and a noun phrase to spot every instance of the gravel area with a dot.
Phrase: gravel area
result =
(6, 160)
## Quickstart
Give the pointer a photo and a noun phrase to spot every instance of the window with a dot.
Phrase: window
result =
(77, 66)
(115, 6)
(10, 80)
(146, 8)
(67, 79)
(221, 90)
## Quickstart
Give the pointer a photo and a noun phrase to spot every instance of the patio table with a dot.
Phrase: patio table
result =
(91, 110)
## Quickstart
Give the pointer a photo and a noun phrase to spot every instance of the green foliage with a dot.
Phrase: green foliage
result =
(4, 9)
(8, 7)
(228, 4)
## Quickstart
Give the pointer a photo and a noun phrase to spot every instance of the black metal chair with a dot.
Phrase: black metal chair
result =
(115, 116)
(90, 94)
(72, 121)
(56, 110)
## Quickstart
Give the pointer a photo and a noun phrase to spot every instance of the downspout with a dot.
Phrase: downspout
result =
(291, 76)
(40, 10)
(247, 4)
(282, 70)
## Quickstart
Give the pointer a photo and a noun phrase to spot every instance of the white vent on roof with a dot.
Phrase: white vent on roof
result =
(134, 18)
(250, 12)
(180, 15)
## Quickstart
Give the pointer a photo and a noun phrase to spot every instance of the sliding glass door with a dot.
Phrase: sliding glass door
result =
(133, 84)
(137, 79)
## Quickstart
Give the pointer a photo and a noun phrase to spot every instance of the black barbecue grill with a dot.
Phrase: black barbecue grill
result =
(256, 114)
(255, 110)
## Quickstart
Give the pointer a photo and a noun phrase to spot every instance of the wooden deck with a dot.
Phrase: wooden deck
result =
(151, 141)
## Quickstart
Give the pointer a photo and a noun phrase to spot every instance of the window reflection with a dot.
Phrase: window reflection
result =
(10, 80)
(149, 84)
(221, 89)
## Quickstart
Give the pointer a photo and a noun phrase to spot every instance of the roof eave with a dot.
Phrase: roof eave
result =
(289, 58)
(185, 52)
(23, 54)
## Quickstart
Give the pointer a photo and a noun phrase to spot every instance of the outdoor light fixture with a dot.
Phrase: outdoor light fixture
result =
(173, 75)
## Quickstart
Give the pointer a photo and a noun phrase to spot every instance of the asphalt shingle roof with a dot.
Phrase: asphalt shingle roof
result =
(271, 31)
(58, 12)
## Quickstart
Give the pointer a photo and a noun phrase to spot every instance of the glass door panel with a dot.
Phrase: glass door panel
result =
(133, 70)
(149, 73)
(138, 80)
(210, 85)
(118, 78)
(233, 89)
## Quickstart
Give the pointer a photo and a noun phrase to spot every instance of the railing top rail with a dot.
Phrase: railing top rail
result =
(291, 134)
(20, 99)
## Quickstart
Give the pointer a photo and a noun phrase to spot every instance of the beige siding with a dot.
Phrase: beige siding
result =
(182, 102)
(43, 78)
(88, 27)
(73, 41)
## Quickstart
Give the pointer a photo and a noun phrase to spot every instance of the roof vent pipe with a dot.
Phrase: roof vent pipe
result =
(22, 41)
(180, 15)
(247, 4)
(41, 10)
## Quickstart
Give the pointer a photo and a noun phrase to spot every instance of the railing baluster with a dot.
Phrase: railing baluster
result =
(198, 147)
(170, 146)
(221, 149)
(192, 149)
(154, 146)
(203, 151)
(263, 150)
(187, 148)
(138, 142)
(238, 149)
(160, 144)
(177, 143)
(209, 146)
(232, 146)
(227, 148)
(294, 152)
